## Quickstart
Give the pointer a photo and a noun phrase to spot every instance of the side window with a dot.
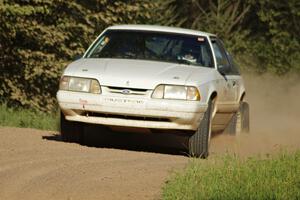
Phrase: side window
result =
(234, 66)
(223, 57)
(220, 54)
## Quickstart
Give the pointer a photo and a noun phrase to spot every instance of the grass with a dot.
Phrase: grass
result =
(18, 117)
(276, 177)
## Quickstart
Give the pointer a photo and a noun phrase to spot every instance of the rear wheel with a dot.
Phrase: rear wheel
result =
(199, 142)
(240, 121)
(70, 131)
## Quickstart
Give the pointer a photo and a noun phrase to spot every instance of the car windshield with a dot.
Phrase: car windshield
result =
(156, 46)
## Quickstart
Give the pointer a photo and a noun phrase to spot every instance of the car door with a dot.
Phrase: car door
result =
(236, 79)
(230, 76)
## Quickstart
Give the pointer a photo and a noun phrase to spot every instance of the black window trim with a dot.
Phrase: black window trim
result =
(231, 64)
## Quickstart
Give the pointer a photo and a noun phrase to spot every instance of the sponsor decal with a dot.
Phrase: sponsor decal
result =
(124, 101)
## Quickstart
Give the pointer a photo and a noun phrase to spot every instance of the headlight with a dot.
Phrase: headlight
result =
(176, 92)
(79, 84)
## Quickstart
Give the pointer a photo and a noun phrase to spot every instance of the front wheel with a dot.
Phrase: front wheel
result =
(70, 131)
(199, 141)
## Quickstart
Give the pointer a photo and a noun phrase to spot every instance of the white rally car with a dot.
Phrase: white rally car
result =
(154, 77)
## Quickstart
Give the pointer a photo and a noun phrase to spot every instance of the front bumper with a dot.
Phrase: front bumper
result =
(131, 110)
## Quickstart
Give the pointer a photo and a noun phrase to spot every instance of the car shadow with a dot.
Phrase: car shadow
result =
(163, 143)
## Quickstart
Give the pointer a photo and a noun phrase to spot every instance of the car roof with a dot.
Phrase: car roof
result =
(160, 29)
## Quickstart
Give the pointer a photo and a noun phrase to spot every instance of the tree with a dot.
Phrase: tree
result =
(222, 17)
(38, 39)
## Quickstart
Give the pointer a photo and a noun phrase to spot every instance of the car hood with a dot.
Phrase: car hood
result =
(134, 73)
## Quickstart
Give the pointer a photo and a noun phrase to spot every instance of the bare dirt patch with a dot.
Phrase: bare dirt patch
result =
(35, 168)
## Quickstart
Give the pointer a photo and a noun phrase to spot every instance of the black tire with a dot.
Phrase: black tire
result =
(240, 121)
(70, 131)
(199, 141)
(245, 117)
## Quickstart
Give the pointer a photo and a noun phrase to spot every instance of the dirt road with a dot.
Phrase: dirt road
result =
(35, 164)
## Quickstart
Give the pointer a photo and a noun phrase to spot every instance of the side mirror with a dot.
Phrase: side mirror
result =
(223, 69)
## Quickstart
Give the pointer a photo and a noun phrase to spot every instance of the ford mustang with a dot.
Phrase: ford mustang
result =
(155, 78)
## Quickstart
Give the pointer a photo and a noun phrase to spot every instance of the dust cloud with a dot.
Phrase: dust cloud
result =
(274, 117)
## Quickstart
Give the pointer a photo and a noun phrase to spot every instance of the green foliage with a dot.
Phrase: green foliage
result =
(25, 118)
(275, 35)
(223, 17)
(231, 178)
(38, 39)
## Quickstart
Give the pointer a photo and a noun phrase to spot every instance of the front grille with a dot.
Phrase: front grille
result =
(122, 90)
(116, 116)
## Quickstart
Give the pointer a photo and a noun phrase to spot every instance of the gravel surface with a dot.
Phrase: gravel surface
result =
(34, 165)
